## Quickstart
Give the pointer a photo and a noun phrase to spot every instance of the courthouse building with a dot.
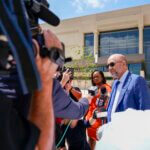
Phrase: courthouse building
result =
(125, 31)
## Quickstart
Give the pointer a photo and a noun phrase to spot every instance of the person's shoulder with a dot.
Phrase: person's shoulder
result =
(134, 75)
(137, 77)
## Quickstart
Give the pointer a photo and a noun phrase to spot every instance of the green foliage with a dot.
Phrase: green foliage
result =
(83, 66)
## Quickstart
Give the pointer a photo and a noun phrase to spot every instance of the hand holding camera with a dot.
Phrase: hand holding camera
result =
(65, 77)
(46, 67)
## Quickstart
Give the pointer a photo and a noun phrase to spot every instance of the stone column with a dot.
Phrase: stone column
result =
(141, 26)
(141, 40)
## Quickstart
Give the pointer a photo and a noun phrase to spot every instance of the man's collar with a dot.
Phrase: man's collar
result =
(123, 76)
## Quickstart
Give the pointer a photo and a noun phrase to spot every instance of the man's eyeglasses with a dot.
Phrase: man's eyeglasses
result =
(112, 64)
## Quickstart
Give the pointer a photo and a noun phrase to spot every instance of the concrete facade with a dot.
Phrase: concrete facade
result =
(72, 31)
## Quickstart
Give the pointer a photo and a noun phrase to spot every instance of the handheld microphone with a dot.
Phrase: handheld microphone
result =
(100, 112)
(103, 97)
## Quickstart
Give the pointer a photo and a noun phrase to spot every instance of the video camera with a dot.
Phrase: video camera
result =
(38, 9)
(14, 25)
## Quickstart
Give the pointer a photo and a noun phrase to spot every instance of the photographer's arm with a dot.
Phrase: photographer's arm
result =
(41, 111)
(65, 107)
(42, 115)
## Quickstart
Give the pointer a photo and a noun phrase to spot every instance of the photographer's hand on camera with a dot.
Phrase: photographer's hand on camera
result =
(66, 77)
(41, 112)
(46, 67)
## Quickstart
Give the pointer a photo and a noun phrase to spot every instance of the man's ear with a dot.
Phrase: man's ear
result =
(124, 62)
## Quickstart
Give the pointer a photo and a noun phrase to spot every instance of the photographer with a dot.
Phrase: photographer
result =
(44, 109)
(36, 131)
(64, 106)
(17, 130)
(14, 126)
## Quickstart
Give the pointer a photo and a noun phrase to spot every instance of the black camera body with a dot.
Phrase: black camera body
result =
(69, 70)
(39, 9)
(61, 70)
(93, 90)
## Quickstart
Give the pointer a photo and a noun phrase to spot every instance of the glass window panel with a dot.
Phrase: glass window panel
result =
(135, 68)
(146, 42)
(124, 42)
(104, 39)
(104, 52)
(89, 44)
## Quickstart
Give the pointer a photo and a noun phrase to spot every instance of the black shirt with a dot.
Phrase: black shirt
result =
(76, 137)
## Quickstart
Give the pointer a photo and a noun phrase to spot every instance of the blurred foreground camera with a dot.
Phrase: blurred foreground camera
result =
(38, 9)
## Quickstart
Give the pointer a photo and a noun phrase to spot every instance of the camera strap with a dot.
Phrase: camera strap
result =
(14, 25)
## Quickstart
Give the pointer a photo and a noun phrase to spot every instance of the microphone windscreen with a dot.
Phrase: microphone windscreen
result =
(103, 90)
(68, 59)
(48, 16)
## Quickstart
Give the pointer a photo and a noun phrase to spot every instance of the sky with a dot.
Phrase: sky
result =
(66, 9)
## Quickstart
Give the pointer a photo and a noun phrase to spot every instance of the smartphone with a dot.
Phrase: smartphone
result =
(72, 73)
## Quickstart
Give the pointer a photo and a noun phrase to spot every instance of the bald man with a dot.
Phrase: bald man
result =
(129, 90)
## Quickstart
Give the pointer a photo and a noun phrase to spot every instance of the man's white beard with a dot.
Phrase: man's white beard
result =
(114, 75)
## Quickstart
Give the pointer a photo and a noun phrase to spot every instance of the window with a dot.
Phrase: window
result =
(146, 42)
(135, 68)
(89, 44)
(123, 42)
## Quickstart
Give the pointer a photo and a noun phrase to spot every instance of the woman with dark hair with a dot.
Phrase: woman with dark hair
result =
(99, 75)
(97, 79)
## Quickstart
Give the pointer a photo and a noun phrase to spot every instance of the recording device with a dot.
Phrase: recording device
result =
(61, 70)
(93, 90)
(14, 24)
(103, 97)
(69, 70)
(39, 9)
(100, 112)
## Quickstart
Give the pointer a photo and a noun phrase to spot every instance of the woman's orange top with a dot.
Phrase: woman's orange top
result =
(92, 107)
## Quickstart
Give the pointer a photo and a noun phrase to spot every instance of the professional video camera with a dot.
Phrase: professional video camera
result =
(14, 25)
(38, 9)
